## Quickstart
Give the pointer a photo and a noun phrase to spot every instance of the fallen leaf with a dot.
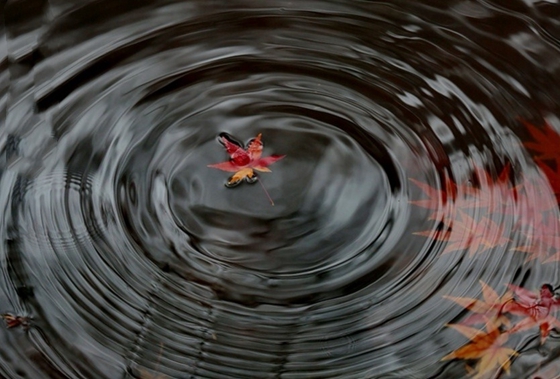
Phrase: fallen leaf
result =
(535, 197)
(492, 195)
(243, 161)
(544, 298)
(464, 232)
(545, 324)
(487, 347)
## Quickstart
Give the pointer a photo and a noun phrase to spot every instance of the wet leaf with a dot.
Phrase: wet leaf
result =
(243, 161)
(487, 347)
(535, 197)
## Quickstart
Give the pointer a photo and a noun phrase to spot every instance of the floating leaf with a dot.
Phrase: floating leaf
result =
(553, 176)
(244, 161)
(487, 347)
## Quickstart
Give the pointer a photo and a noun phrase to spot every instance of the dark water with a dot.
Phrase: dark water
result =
(132, 259)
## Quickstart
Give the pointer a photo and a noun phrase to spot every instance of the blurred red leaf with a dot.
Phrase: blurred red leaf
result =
(545, 142)
(464, 232)
(437, 198)
(535, 308)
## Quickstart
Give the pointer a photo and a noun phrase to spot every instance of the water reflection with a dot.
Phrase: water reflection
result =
(421, 160)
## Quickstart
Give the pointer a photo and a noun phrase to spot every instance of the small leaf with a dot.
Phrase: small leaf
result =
(243, 161)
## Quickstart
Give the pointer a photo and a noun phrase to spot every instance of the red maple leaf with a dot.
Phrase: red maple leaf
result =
(491, 194)
(464, 232)
(244, 161)
(545, 142)
(535, 308)
(437, 198)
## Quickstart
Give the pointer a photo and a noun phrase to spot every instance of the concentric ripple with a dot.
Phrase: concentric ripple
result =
(407, 177)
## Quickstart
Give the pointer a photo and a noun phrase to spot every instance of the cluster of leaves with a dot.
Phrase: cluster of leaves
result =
(518, 213)
(518, 309)
(530, 205)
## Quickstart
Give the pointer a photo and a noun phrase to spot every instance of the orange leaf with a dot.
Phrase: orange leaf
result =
(240, 175)
(487, 347)
(491, 194)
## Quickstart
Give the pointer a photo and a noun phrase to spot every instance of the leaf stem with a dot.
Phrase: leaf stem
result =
(265, 191)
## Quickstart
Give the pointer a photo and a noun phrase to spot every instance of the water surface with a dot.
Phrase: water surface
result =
(131, 257)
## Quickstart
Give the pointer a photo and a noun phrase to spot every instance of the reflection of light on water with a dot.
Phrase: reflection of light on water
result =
(117, 232)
